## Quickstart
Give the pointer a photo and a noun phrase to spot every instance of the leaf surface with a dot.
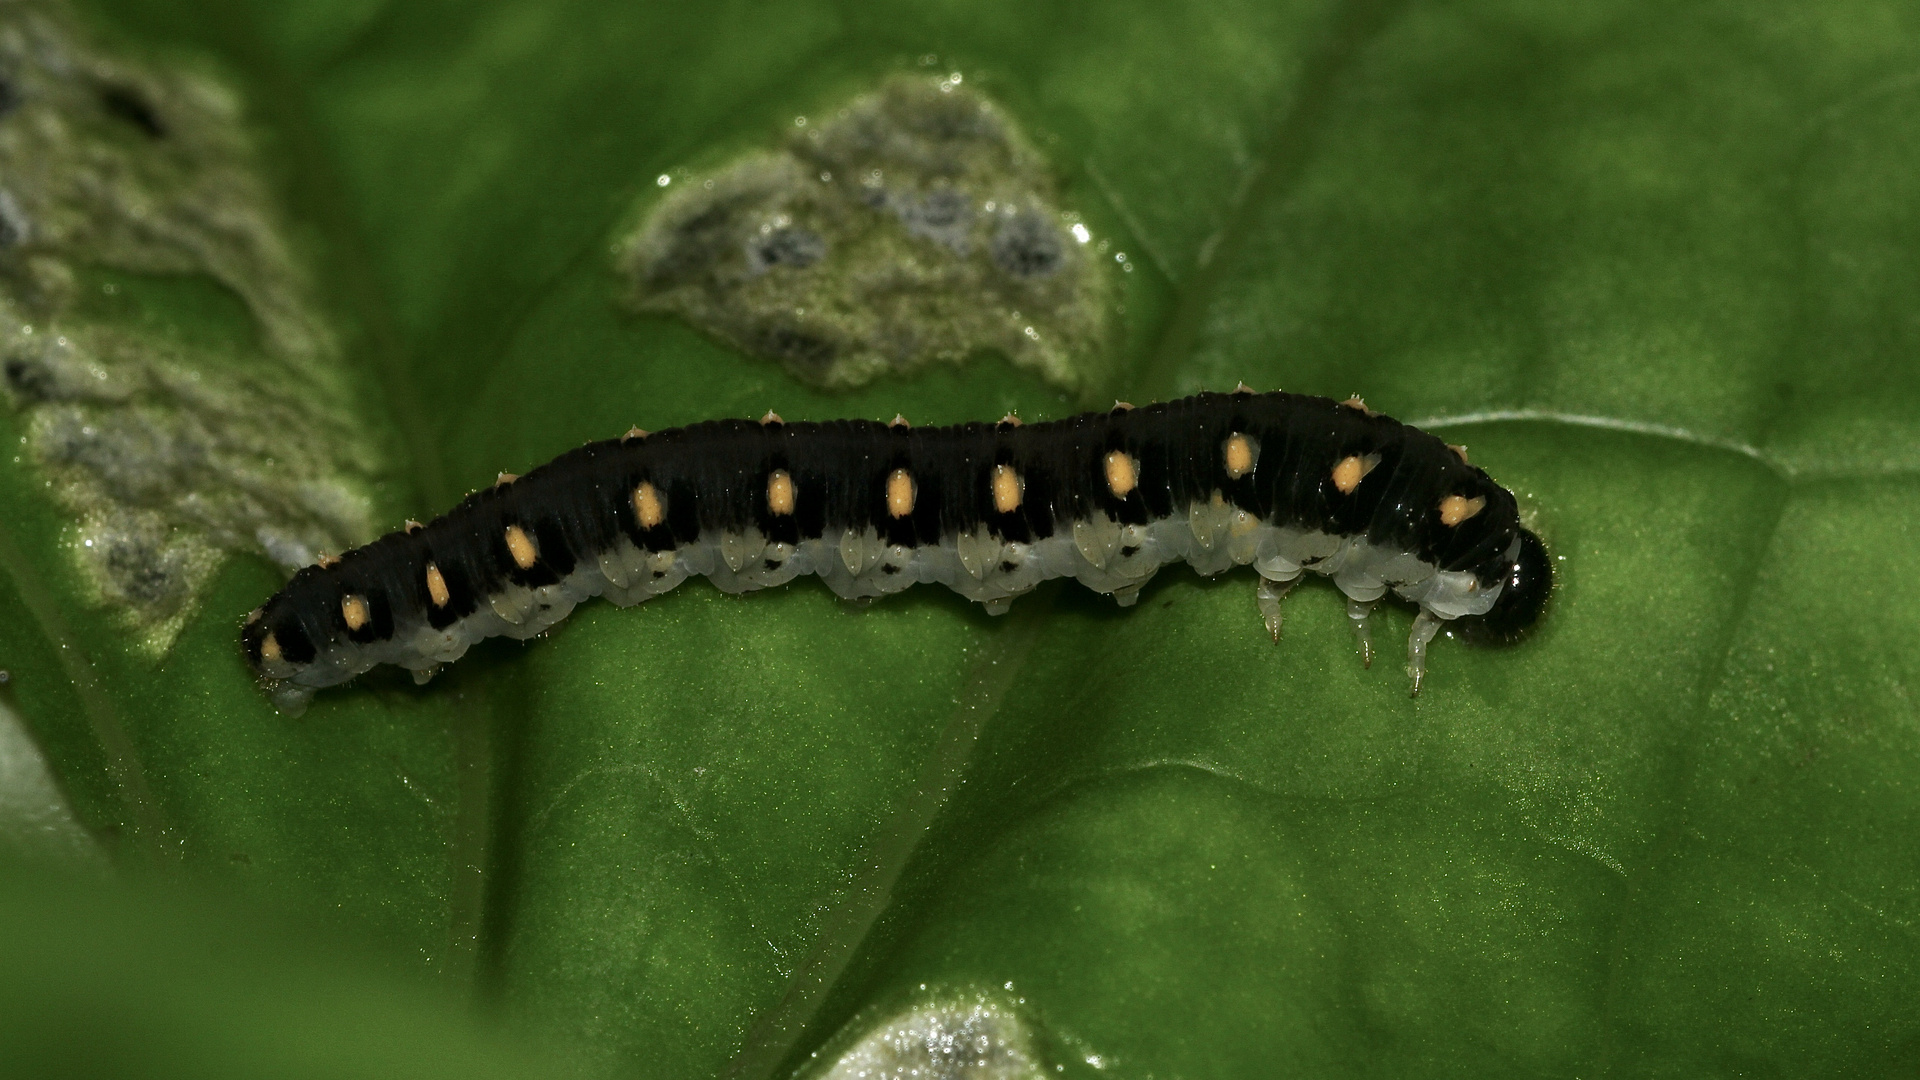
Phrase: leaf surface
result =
(1655, 266)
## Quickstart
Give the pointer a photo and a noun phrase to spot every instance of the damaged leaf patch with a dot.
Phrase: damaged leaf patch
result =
(914, 225)
(180, 392)
(943, 1041)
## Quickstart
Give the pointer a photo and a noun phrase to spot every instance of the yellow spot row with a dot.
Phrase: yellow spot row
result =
(1006, 485)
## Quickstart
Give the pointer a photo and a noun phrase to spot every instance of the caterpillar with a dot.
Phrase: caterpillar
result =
(1286, 483)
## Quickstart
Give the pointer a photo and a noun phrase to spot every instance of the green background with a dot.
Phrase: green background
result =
(1655, 263)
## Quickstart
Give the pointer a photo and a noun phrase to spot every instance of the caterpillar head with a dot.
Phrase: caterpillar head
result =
(280, 651)
(276, 645)
(1523, 595)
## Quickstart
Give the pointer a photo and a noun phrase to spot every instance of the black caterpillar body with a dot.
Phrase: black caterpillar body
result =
(1284, 482)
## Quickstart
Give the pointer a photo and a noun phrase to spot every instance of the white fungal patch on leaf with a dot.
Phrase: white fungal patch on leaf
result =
(978, 1039)
(914, 225)
(179, 391)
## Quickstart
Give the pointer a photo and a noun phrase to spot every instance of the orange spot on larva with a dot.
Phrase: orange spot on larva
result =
(648, 509)
(437, 587)
(353, 608)
(1122, 474)
(269, 648)
(521, 547)
(1239, 456)
(505, 478)
(1007, 488)
(772, 418)
(1351, 470)
(899, 421)
(1454, 509)
(900, 493)
(779, 493)
(325, 560)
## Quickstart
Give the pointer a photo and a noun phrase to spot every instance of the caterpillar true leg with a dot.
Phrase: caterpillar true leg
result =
(1425, 626)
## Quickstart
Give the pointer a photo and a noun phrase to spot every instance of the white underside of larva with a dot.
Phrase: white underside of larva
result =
(1104, 556)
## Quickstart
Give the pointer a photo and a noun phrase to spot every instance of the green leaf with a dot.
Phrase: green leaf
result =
(156, 985)
(1655, 265)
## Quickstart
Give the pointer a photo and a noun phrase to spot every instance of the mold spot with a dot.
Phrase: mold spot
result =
(128, 105)
(917, 224)
(973, 1039)
(941, 215)
(1027, 245)
(788, 246)
(137, 564)
(176, 385)
(803, 353)
(29, 379)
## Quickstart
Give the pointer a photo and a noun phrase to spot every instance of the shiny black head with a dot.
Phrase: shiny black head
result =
(1522, 597)
(275, 643)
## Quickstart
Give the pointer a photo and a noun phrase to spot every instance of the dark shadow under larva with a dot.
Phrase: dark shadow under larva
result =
(1285, 483)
